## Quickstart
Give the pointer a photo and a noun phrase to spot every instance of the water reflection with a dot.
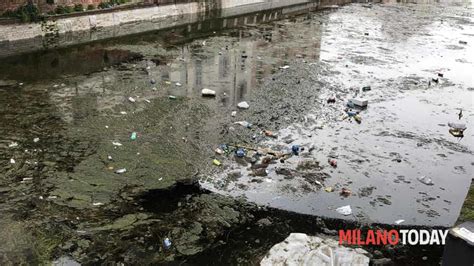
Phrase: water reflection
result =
(232, 62)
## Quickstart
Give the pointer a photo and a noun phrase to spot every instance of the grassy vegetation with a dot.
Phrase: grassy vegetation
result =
(31, 13)
(26, 13)
(467, 211)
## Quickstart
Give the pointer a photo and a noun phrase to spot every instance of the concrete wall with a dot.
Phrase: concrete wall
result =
(20, 38)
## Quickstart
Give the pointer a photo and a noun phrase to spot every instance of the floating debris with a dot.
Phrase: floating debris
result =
(116, 143)
(425, 180)
(131, 99)
(216, 162)
(240, 152)
(13, 145)
(208, 93)
(121, 171)
(285, 67)
(243, 105)
(457, 129)
(359, 102)
(244, 124)
(345, 192)
(97, 204)
(167, 241)
(295, 149)
(133, 136)
(344, 210)
(12, 161)
(399, 221)
(36, 140)
(270, 134)
(329, 189)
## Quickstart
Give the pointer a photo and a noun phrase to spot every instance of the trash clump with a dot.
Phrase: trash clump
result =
(301, 249)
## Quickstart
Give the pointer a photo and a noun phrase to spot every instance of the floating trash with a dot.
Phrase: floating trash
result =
(167, 243)
(121, 171)
(13, 145)
(244, 124)
(344, 210)
(208, 93)
(243, 105)
(425, 180)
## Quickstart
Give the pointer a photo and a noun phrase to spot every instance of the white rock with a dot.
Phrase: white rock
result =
(243, 105)
(234, 113)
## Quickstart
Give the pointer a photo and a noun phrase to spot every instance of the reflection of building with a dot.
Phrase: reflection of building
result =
(237, 68)
(232, 65)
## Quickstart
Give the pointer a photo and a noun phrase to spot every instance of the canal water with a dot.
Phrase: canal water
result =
(67, 117)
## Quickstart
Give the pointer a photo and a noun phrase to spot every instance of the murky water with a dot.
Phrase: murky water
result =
(62, 110)
(404, 133)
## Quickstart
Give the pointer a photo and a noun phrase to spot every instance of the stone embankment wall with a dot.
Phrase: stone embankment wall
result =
(19, 38)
